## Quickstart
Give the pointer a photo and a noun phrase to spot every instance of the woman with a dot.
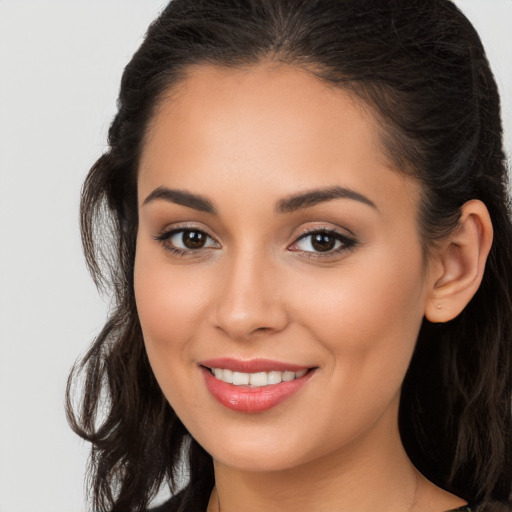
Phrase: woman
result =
(309, 244)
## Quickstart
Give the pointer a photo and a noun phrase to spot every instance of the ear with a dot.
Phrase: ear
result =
(457, 267)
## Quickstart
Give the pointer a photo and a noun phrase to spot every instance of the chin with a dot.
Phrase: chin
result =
(257, 461)
(263, 452)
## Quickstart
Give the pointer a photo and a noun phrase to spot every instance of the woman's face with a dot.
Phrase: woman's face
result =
(276, 240)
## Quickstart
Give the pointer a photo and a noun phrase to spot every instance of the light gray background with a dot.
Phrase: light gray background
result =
(60, 65)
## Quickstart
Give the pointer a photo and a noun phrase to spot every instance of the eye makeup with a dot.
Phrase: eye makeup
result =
(322, 243)
(191, 241)
(186, 241)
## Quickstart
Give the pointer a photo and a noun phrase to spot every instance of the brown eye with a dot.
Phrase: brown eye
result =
(194, 239)
(186, 240)
(323, 242)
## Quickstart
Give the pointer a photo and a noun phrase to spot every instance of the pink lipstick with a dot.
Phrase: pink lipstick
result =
(253, 386)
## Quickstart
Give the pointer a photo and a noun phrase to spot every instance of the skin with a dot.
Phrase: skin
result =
(245, 140)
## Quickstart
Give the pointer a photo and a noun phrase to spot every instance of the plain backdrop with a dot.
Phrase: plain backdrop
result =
(60, 66)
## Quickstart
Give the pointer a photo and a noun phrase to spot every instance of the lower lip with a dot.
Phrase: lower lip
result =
(252, 400)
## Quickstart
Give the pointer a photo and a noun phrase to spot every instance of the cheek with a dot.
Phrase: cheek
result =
(170, 304)
(368, 313)
(169, 307)
(367, 318)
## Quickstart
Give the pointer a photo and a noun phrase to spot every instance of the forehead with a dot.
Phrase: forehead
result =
(270, 123)
(259, 103)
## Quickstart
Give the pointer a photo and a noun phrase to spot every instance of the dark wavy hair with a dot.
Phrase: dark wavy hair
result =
(421, 68)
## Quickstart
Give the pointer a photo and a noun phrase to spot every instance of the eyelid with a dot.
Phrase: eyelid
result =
(348, 242)
(342, 232)
(184, 226)
(164, 236)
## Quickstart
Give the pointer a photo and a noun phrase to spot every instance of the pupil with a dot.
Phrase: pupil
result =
(193, 239)
(323, 243)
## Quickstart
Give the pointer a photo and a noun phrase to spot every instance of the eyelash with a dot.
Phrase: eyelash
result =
(347, 243)
(165, 237)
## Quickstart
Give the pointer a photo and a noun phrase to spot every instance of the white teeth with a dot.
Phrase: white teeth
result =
(240, 379)
(259, 379)
(274, 377)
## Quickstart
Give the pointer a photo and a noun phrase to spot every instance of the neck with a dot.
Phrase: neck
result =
(371, 474)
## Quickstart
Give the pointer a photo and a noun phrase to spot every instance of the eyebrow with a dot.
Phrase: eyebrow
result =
(287, 205)
(316, 196)
(181, 197)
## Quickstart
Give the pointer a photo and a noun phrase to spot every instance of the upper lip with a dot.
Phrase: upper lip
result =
(252, 365)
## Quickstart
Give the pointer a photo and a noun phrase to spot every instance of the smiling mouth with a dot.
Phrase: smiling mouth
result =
(257, 379)
(253, 386)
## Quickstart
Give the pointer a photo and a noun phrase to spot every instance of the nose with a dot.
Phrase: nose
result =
(249, 299)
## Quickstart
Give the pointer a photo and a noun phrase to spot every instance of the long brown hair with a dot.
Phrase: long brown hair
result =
(420, 65)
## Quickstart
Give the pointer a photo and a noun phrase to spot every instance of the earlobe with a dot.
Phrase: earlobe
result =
(459, 263)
